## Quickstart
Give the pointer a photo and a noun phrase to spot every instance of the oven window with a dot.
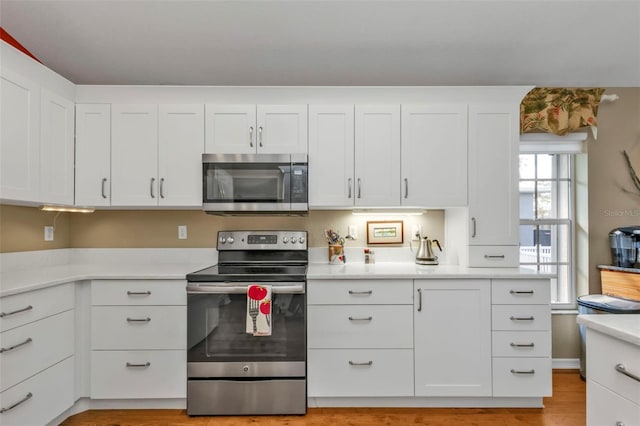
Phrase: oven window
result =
(227, 182)
(216, 330)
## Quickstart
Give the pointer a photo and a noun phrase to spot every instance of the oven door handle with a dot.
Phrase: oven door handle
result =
(242, 289)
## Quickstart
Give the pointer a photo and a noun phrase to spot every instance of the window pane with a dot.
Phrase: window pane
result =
(527, 246)
(544, 166)
(527, 166)
(544, 201)
(527, 205)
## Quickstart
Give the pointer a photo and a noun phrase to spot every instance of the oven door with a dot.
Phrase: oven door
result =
(217, 342)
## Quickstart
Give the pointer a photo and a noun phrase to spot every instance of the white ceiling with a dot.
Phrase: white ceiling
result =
(544, 43)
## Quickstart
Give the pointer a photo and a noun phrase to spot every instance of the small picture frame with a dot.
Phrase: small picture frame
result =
(385, 232)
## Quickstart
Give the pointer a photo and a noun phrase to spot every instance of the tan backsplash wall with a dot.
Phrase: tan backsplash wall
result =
(21, 228)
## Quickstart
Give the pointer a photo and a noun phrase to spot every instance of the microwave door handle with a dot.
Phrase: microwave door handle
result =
(242, 289)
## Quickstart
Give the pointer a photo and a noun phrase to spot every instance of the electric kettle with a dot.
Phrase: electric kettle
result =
(425, 255)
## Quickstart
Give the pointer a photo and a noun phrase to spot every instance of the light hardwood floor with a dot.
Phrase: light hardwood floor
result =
(565, 408)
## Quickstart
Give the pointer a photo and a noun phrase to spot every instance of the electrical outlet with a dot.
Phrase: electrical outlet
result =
(353, 231)
(48, 233)
(416, 232)
(182, 232)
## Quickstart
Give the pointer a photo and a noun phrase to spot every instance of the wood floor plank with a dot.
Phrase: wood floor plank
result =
(565, 408)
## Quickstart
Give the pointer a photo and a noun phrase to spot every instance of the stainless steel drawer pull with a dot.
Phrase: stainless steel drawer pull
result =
(359, 188)
(138, 293)
(620, 368)
(6, 314)
(473, 223)
(25, 399)
(132, 365)
(521, 291)
(349, 184)
(532, 371)
(361, 363)
(521, 318)
(360, 319)
(161, 187)
(494, 256)
(10, 348)
(104, 180)
(361, 292)
(522, 345)
(138, 319)
(251, 136)
(419, 300)
(406, 188)
(153, 181)
(260, 135)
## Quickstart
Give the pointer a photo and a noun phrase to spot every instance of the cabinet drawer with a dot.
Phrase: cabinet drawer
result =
(522, 377)
(604, 353)
(521, 317)
(138, 292)
(51, 394)
(521, 343)
(520, 292)
(357, 292)
(607, 408)
(24, 308)
(494, 256)
(37, 345)
(360, 372)
(357, 326)
(138, 374)
(138, 327)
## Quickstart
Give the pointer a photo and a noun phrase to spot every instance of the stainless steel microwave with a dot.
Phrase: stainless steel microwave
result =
(255, 183)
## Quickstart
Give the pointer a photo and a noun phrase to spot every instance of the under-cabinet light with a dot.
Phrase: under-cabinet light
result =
(49, 208)
(389, 212)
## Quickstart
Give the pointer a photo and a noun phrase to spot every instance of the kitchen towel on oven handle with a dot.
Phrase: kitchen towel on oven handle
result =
(258, 321)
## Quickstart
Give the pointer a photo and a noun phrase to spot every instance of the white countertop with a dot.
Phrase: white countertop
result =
(623, 327)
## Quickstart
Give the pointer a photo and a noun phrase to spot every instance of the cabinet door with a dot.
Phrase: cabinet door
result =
(331, 150)
(434, 155)
(134, 155)
(377, 155)
(93, 154)
(452, 338)
(282, 129)
(180, 148)
(56, 148)
(20, 136)
(230, 129)
(493, 174)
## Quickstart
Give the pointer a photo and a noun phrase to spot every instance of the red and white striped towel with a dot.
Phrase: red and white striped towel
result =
(258, 310)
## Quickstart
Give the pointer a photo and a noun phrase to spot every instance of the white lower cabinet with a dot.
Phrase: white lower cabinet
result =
(522, 376)
(139, 337)
(41, 398)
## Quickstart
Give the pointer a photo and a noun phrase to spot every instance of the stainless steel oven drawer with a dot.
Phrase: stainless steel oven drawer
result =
(246, 397)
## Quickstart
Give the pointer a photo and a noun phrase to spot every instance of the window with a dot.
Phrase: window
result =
(547, 221)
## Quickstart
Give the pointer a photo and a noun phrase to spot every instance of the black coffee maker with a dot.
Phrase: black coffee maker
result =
(625, 247)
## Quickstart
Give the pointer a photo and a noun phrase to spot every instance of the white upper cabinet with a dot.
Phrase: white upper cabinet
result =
(134, 155)
(20, 138)
(434, 155)
(377, 155)
(93, 155)
(56, 148)
(331, 151)
(180, 148)
(250, 129)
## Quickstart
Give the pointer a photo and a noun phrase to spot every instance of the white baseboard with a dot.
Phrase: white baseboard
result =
(565, 363)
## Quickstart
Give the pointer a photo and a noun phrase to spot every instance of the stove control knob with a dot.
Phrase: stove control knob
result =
(230, 240)
(223, 240)
(245, 368)
(301, 240)
(293, 240)
(285, 240)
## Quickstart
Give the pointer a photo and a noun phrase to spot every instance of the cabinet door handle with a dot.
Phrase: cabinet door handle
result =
(406, 187)
(260, 136)
(134, 365)
(512, 318)
(349, 184)
(360, 363)
(104, 194)
(522, 345)
(161, 187)
(494, 256)
(359, 188)
(26, 398)
(473, 229)
(620, 368)
(419, 300)
(360, 319)
(360, 292)
(251, 136)
(153, 181)
(139, 319)
(521, 291)
(139, 293)
(532, 371)
(6, 314)
(10, 348)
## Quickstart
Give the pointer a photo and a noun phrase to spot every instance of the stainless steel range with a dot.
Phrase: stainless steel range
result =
(246, 326)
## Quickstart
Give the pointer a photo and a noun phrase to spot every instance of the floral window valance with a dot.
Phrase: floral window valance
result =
(559, 110)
